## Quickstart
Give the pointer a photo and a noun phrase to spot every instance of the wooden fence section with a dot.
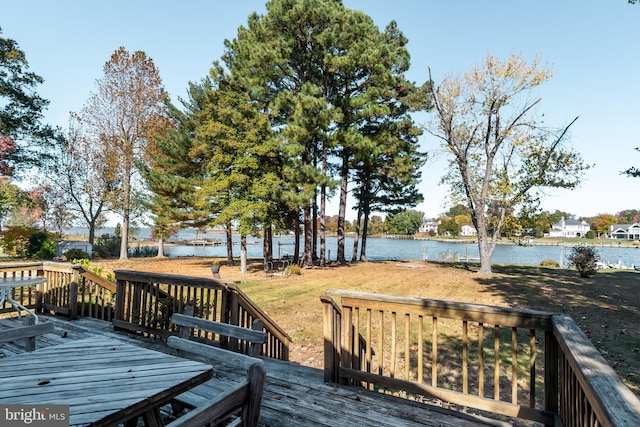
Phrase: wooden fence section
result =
(140, 302)
(145, 303)
(517, 363)
(69, 290)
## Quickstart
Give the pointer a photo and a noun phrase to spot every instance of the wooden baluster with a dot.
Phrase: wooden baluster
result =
(407, 353)
(356, 363)
(392, 367)
(480, 359)
(532, 368)
(380, 357)
(514, 365)
(347, 340)
(465, 357)
(368, 344)
(420, 349)
(434, 352)
(496, 369)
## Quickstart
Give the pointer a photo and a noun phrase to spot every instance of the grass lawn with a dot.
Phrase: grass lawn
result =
(606, 306)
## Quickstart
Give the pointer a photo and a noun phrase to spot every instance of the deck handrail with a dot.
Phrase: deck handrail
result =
(395, 328)
(146, 301)
(141, 302)
(590, 378)
(70, 289)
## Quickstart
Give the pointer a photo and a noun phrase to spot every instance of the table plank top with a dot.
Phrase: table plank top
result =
(104, 381)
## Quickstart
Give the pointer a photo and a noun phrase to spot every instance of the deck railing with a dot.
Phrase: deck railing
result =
(69, 290)
(522, 364)
(139, 302)
(145, 303)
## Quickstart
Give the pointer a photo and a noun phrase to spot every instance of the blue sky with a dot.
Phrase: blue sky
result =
(591, 46)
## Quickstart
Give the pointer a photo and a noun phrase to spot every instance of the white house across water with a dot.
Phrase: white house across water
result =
(569, 228)
(625, 231)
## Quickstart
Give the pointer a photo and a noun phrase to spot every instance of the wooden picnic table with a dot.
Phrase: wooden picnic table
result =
(104, 381)
(8, 283)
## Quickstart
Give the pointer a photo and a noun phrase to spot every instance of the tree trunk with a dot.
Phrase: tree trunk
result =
(308, 236)
(314, 229)
(323, 211)
(92, 232)
(365, 231)
(483, 245)
(229, 236)
(354, 253)
(267, 243)
(124, 243)
(243, 254)
(296, 244)
(160, 247)
(323, 226)
(485, 256)
(342, 209)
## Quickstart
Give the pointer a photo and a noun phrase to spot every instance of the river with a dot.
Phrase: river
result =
(389, 249)
(404, 249)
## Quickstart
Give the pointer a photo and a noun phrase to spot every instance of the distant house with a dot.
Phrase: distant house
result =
(569, 228)
(428, 226)
(468, 230)
(625, 231)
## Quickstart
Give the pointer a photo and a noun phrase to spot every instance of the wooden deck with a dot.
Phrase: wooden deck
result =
(294, 395)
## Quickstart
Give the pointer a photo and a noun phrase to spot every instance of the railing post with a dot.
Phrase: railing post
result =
(39, 289)
(118, 312)
(38, 308)
(331, 339)
(232, 343)
(256, 348)
(225, 306)
(551, 380)
(73, 300)
(74, 292)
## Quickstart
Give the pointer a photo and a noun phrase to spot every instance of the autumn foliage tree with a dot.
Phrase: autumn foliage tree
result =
(602, 223)
(120, 118)
(78, 177)
(500, 154)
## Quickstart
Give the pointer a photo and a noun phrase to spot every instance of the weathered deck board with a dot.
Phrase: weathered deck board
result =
(294, 395)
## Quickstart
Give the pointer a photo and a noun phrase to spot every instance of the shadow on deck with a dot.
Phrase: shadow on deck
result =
(294, 395)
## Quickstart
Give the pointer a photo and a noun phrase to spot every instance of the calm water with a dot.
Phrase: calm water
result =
(394, 249)
(391, 249)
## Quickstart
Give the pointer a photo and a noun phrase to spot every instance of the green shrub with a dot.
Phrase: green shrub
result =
(75, 254)
(585, 259)
(47, 250)
(107, 246)
(590, 234)
(41, 245)
(143, 252)
(549, 263)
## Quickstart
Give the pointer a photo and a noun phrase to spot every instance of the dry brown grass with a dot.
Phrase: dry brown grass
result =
(606, 306)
